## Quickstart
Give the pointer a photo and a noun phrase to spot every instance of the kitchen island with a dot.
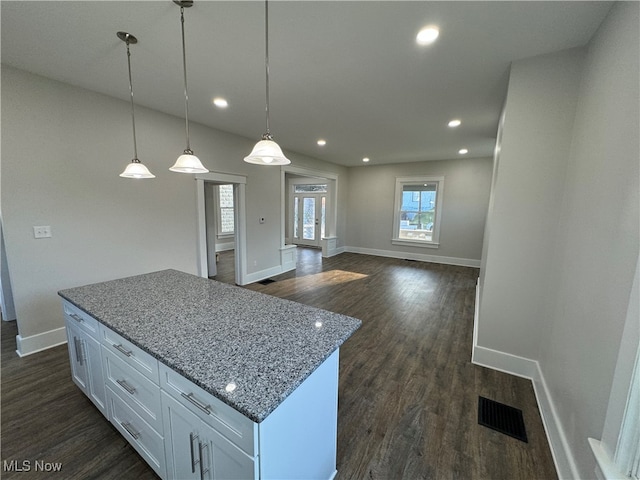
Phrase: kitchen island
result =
(220, 381)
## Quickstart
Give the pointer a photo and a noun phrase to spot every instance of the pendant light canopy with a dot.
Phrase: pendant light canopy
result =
(135, 169)
(266, 151)
(187, 162)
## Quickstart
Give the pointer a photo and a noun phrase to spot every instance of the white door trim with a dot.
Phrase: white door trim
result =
(239, 182)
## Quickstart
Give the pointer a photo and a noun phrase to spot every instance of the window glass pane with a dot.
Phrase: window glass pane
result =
(417, 211)
(296, 202)
(322, 218)
(225, 206)
(226, 220)
(310, 189)
(309, 218)
(226, 196)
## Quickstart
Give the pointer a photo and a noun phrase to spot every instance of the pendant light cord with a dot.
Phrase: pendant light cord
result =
(266, 62)
(133, 118)
(186, 94)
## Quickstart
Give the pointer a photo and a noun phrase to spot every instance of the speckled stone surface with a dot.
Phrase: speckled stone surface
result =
(214, 333)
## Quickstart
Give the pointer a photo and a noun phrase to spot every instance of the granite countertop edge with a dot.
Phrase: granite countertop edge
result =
(256, 415)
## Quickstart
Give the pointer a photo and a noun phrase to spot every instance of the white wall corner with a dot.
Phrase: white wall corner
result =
(41, 341)
(329, 246)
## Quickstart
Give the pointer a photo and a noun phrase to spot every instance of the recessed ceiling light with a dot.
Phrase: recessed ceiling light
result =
(427, 35)
(365, 159)
(220, 102)
(463, 151)
(321, 142)
(454, 123)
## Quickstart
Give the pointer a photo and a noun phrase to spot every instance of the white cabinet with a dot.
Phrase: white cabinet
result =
(195, 450)
(85, 356)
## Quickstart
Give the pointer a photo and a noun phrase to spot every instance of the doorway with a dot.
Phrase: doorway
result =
(309, 214)
(214, 220)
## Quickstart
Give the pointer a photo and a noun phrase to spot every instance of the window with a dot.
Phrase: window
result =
(418, 210)
(226, 217)
(310, 188)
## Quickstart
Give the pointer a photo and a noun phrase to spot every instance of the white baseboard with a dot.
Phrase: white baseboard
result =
(264, 274)
(225, 247)
(41, 341)
(463, 262)
(525, 367)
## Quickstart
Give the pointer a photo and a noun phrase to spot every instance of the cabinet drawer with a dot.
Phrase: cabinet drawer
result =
(84, 321)
(229, 422)
(140, 393)
(130, 354)
(147, 442)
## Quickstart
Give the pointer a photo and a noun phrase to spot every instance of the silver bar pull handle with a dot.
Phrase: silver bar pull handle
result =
(78, 346)
(130, 430)
(123, 350)
(126, 386)
(76, 317)
(192, 437)
(200, 451)
(205, 408)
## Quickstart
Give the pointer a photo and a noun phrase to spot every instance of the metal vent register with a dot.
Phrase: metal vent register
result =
(502, 418)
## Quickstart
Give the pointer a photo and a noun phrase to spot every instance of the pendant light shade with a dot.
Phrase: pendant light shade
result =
(135, 169)
(187, 162)
(266, 151)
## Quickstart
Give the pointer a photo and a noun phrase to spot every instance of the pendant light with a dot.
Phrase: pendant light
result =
(187, 162)
(135, 169)
(266, 151)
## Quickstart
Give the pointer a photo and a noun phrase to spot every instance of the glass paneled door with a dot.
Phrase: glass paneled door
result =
(309, 218)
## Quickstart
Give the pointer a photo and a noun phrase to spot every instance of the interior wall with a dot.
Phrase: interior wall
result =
(76, 144)
(371, 197)
(561, 295)
(535, 143)
(598, 242)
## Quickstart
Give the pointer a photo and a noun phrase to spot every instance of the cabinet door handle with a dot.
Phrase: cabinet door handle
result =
(192, 437)
(130, 430)
(76, 317)
(200, 452)
(126, 386)
(123, 350)
(205, 408)
(78, 346)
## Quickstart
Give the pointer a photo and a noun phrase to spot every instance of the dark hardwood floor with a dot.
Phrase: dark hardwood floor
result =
(408, 392)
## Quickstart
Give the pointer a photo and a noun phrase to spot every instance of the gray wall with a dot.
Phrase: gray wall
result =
(466, 195)
(560, 294)
(62, 151)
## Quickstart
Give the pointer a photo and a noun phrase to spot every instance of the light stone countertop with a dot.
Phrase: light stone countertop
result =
(214, 333)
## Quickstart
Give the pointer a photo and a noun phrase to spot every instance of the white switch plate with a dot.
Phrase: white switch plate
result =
(42, 231)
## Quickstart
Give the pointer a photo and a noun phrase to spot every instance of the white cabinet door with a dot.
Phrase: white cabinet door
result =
(181, 440)
(79, 370)
(93, 357)
(221, 459)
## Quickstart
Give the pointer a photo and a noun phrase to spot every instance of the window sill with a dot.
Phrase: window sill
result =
(414, 243)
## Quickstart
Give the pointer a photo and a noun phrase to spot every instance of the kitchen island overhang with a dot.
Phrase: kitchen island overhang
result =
(249, 350)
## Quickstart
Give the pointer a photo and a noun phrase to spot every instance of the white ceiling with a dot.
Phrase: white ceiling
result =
(349, 72)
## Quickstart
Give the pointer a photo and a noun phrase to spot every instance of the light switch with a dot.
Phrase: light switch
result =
(42, 231)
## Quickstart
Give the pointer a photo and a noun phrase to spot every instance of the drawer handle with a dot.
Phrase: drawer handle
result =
(126, 386)
(123, 350)
(77, 318)
(203, 470)
(77, 343)
(130, 430)
(205, 408)
(193, 437)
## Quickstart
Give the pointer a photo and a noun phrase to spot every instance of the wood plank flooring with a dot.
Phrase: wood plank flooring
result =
(408, 392)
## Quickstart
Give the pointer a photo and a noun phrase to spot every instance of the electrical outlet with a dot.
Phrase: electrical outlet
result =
(42, 231)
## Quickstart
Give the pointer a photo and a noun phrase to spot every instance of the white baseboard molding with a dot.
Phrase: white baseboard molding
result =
(225, 247)
(463, 262)
(264, 274)
(41, 341)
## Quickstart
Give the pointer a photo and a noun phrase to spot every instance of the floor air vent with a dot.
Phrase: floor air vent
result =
(266, 281)
(502, 418)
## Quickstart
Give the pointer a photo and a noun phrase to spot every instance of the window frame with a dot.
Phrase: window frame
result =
(435, 236)
(219, 233)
